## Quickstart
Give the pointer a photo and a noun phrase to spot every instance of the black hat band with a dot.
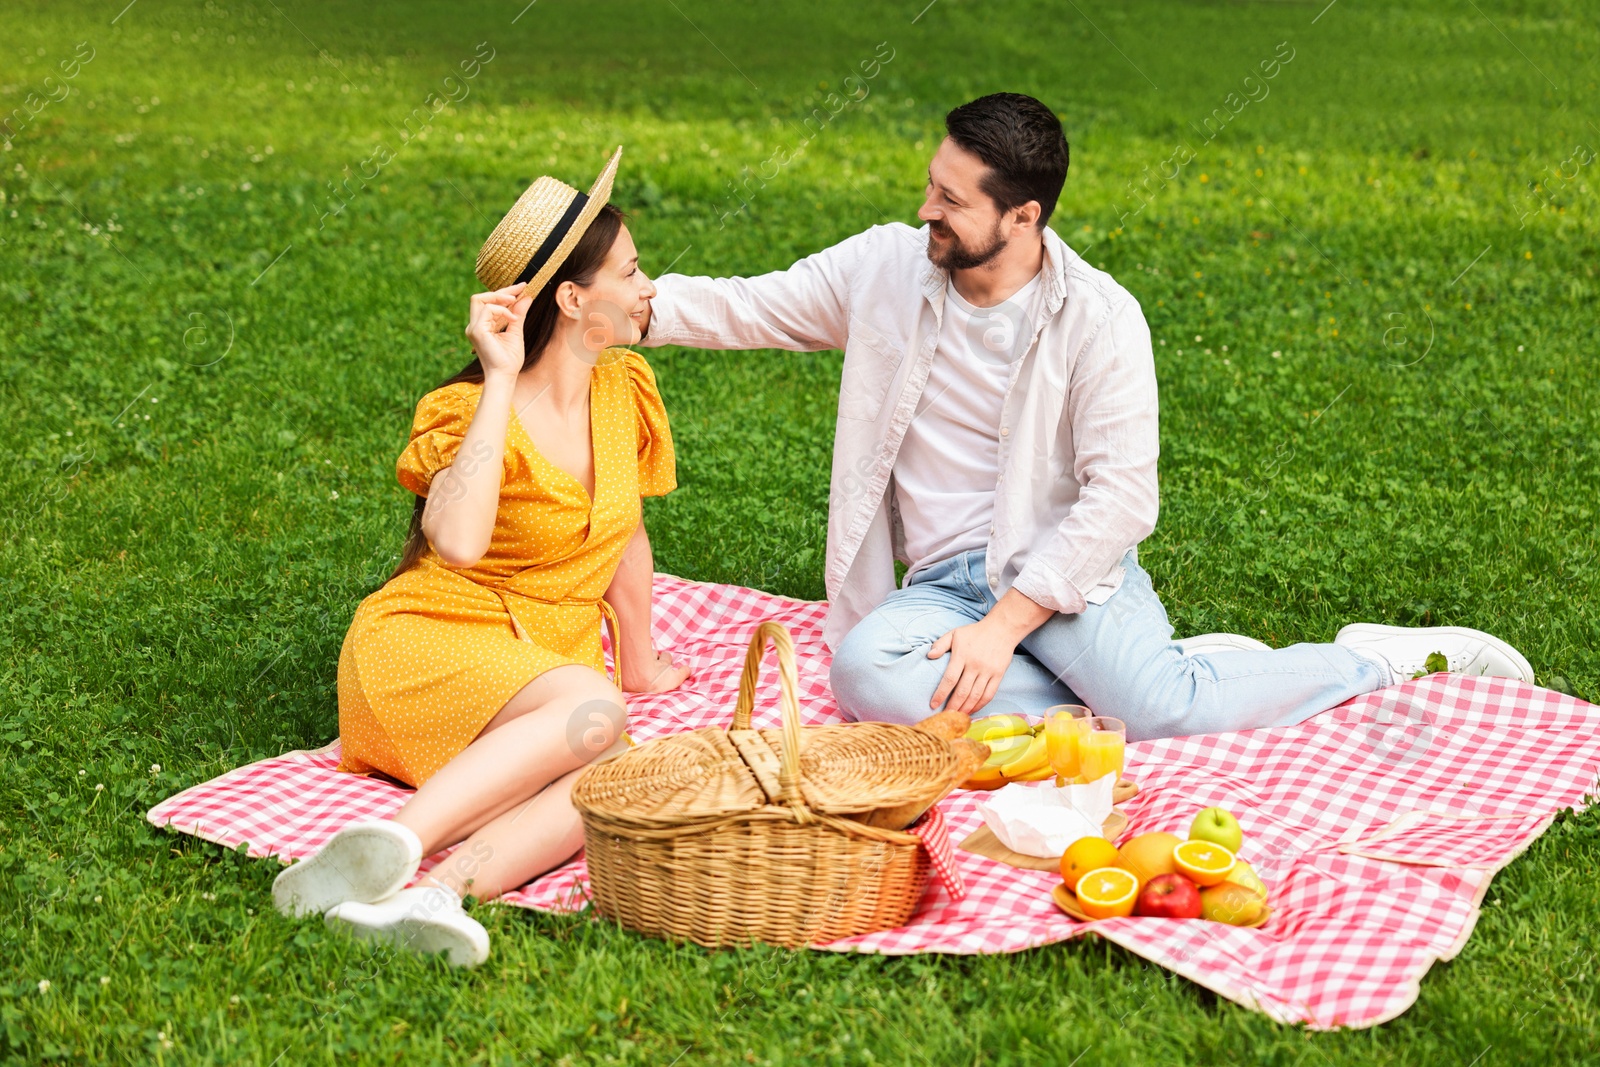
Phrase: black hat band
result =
(553, 241)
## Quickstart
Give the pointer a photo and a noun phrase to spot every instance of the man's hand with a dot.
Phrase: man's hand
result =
(981, 651)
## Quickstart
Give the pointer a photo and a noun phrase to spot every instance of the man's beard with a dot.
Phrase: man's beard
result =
(957, 256)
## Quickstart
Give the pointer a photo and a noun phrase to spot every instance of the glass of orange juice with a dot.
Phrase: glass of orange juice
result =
(1101, 747)
(1063, 725)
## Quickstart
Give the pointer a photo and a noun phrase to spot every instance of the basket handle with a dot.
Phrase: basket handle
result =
(789, 760)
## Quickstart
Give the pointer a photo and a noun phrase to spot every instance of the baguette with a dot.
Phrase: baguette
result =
(969, 757)
(950, 725)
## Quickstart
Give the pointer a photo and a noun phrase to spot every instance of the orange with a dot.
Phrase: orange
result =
(1108, 893)
(1205, 863)
(1084, 855)
(1148, 855)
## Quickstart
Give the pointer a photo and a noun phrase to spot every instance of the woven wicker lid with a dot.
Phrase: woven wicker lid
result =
(546, 222)
(711, 773)
(844, 770)
(671, 780)
(858, 767)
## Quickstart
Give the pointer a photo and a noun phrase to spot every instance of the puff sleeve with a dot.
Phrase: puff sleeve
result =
(436, 432)
(658, 465)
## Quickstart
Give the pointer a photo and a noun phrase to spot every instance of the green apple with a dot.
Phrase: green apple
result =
(1218, 827)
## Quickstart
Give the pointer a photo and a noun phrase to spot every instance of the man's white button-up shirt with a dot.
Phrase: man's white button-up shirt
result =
(1077, 477)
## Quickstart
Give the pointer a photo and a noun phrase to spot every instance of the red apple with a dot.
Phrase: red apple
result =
(1169, 896)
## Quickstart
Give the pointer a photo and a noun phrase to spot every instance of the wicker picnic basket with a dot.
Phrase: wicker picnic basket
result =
(726, 837)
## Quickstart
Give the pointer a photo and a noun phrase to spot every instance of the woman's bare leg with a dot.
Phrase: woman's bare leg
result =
(553, 726)
(536, 835)
(489, 816)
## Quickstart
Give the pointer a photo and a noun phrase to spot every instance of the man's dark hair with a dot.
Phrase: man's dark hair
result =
(1021, 142)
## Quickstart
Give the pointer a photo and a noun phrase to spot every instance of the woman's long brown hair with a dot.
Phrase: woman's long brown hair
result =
(537, 329)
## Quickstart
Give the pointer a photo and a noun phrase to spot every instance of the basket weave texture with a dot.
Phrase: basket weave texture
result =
(727, 837)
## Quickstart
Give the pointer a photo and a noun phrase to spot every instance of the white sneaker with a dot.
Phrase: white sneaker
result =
(424, 918)
(366, 863)
(1405, 649)
(1208, 643)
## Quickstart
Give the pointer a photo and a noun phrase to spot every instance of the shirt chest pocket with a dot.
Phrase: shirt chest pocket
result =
(871, 360)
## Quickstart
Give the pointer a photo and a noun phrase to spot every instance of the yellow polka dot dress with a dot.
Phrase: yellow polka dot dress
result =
(433, 655)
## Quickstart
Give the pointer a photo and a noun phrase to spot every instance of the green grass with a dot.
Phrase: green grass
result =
(205, 387)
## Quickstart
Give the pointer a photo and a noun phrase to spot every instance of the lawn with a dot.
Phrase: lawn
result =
(236, 244)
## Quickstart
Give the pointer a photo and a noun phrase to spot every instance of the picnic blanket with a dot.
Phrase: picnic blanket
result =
(1377, 825)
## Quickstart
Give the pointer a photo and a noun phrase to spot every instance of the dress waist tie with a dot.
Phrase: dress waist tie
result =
(606, 610)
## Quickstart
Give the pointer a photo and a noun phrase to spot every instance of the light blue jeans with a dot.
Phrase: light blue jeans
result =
(1117, 658)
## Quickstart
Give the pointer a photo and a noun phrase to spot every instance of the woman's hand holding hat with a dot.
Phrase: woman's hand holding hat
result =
(495, 329)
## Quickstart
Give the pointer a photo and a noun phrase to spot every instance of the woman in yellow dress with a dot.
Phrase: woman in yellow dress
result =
(475, 674)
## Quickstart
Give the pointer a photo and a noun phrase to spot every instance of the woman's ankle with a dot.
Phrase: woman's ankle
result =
(429, 881)
(426, 836)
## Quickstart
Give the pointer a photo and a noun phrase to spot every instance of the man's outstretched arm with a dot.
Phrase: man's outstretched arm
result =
(804, 309)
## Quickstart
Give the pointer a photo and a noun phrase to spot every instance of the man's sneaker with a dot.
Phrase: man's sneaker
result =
(424, 918)
(366, 863)
(1204, 644)
(1405, 650)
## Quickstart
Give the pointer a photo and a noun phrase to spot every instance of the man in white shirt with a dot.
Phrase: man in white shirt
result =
(997, 432)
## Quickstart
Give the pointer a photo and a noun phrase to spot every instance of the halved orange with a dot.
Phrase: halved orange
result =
(1084, 855)
(1108, 893)
(1204, 862)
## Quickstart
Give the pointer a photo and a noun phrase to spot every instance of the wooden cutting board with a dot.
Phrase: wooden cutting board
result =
(983, 842)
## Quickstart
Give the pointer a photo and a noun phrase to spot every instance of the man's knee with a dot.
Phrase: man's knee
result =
(850, 673)
(870, 679)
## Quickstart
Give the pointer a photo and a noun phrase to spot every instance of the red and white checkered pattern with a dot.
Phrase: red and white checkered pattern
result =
(1442, 839)
(935, 835)
(1377, 825)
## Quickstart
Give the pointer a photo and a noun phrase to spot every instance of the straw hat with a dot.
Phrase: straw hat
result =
(541, 230)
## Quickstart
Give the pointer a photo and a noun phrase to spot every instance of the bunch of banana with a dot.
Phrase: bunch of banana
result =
(1016, 752)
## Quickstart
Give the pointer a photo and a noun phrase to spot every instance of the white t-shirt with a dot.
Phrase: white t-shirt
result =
(948, 464)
